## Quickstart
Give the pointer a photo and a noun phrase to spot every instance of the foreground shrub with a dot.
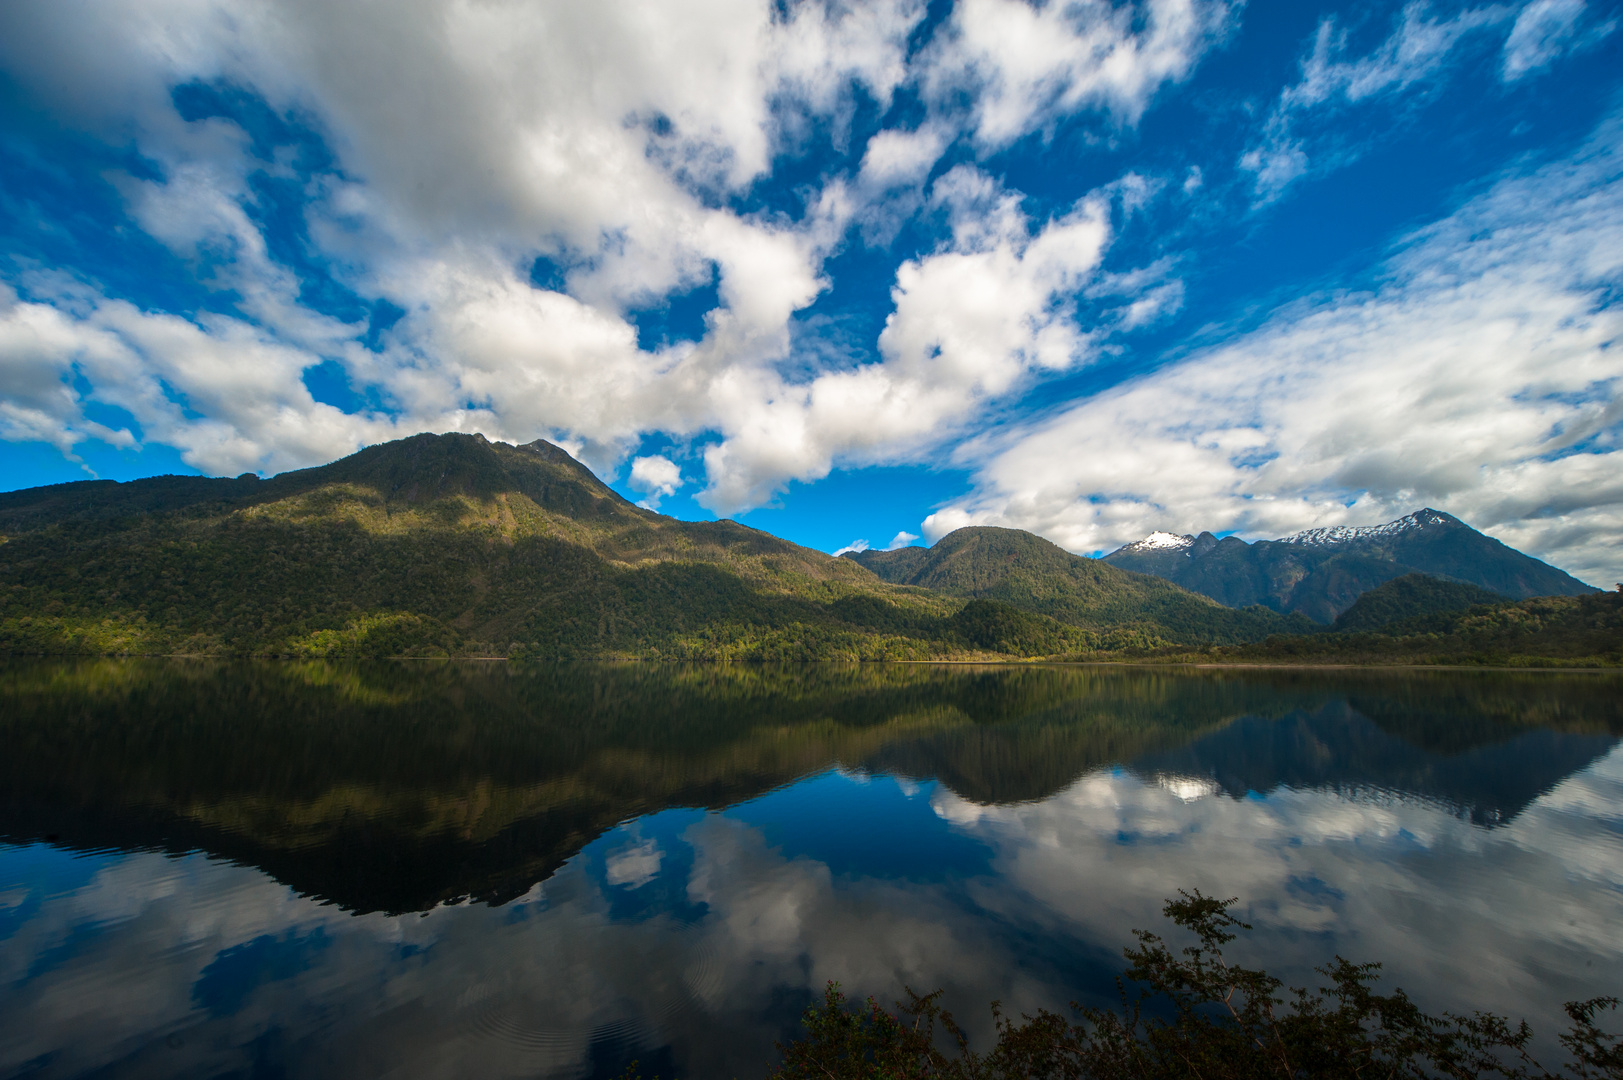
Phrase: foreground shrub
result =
(1195, 1015)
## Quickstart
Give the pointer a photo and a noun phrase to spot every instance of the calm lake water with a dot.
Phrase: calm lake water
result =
(447, 870)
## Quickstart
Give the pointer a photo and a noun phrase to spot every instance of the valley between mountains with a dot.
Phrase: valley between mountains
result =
(451, 545)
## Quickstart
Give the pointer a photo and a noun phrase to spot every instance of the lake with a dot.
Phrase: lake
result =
(455, 869)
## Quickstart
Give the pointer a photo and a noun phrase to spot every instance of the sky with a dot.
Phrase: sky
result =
(855, 273)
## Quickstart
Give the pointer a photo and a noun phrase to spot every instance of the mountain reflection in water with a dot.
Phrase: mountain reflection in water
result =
(666, 861)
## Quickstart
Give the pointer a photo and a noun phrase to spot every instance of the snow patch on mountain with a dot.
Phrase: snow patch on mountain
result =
(1347, 534)
(1161, 541)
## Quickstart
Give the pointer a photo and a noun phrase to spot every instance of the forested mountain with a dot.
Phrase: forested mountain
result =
(1319, 573)
(1027, 572)
(1411, 596)
(450, 544)
(429, 545)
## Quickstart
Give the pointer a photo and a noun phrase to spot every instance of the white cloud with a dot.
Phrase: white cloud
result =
(223, 392)
(855, 545)
(1027, 64)
(901, 540)
(970, 323)
(1481, 375)
(897, 157)
(656, 477)
(1544, 30)
(472, 138)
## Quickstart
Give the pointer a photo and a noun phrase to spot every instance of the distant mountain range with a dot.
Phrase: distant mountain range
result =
(1319, 573)
(1029, 573)
(454, 545)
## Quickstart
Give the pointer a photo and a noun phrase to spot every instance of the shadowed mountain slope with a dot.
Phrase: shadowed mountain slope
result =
(1408, 597)
(1029, 573)
(1322, 571)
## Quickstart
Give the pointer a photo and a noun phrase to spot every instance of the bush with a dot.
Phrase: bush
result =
(1194, 1015)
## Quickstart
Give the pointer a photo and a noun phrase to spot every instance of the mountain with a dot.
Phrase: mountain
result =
(454, 545)
(433, 544)
(1408, 597)
(1319, 573)
(1027, 572)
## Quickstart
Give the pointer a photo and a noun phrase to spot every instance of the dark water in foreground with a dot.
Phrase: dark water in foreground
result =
(459, 869)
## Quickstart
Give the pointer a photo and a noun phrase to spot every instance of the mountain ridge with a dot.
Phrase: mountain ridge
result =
(453, 544)
(1026, 571)
(456, 545)
(1321, 572)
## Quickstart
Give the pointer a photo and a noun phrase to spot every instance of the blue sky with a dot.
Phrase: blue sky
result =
(844, 271)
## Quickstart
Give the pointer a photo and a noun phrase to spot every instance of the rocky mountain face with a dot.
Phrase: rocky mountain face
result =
(1321, 572)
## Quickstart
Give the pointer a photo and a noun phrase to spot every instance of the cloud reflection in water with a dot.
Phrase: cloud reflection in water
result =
(177, 966)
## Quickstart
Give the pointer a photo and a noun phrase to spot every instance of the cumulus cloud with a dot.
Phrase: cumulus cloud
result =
(1480, 374)
(901, 540)
(655, 476)
(468, 141)
(970, 323)
(225, 393)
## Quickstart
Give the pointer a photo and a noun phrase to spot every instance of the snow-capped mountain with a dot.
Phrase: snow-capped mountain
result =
(1348, 534)
(1161, 541)
(1320, 572)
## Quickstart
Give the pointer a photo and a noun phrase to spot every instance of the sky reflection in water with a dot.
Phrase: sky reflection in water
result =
(1475, 848)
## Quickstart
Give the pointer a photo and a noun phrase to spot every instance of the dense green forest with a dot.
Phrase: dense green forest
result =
(1547, 631)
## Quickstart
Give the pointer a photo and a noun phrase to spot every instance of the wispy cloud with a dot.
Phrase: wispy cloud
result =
(1544, 31)
(1301, 135)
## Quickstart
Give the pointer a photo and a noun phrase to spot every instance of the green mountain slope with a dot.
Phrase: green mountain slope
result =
(429, 545)
(1408, 597)
(1029, 573)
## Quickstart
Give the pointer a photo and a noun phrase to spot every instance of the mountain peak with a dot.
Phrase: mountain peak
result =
(1344, 534)
(1163, 541)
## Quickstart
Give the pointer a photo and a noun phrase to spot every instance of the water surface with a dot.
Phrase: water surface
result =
(287, 869)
